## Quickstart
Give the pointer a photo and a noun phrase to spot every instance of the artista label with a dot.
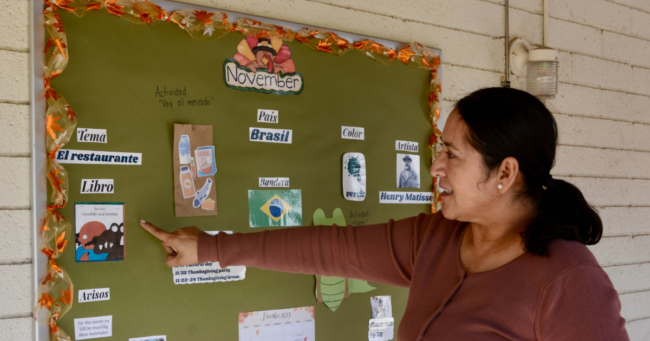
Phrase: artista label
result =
(270, 135)
(274, 182)
(104, 186)
(98, 158)
(405, 197)
(268, 116)
(352, 133)
(406, 146)
(91, 135)
(242, 78)
(92, 295)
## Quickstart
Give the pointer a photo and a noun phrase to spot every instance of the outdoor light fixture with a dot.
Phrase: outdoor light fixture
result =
(539, 66)
(541, 73)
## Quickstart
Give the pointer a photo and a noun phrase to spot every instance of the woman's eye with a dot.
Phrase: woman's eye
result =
(450, 155)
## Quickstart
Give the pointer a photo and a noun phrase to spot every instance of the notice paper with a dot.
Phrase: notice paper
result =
(208, 272)
(294, 324)
(149, 338)
(93, 327)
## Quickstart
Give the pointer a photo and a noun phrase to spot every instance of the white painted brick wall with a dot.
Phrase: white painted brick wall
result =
(16, 185)
(14, 33)
(15, 121)
(16, 329)
(15, 290)
(15, 236)
(602, 109)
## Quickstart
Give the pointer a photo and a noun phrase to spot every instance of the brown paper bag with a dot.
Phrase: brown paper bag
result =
(199, 136)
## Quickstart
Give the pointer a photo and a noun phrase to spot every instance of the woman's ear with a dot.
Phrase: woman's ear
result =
(508, 172)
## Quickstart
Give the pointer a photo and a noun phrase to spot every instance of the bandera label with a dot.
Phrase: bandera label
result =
(241, 78)
(98, 158)
(92, 295)
(91, 135)
(270, 135)
(97, 186)
(274, 182)
(405, 197)
(352, 133)
(406, 146)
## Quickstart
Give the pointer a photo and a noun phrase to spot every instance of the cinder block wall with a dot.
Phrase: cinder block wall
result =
(603, 111)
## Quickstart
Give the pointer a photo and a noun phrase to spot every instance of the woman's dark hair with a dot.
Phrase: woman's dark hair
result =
(507, 122)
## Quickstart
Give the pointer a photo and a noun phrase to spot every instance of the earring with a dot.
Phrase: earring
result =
(499, 186)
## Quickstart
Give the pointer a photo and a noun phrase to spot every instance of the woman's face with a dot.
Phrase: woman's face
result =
(468, 193)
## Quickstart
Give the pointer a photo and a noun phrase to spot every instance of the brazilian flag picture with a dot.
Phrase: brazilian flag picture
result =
(275, 208)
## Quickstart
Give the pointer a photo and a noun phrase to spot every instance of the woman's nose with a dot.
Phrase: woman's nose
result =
(438, 166)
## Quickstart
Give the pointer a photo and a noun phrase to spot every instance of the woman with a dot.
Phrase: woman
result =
(504, 260)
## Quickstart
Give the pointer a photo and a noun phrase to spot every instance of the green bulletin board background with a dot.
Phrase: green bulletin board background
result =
(115, 67)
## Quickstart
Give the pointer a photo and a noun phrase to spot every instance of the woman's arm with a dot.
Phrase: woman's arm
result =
(382, 253)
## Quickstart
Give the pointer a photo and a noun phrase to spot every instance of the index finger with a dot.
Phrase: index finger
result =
(158, 233)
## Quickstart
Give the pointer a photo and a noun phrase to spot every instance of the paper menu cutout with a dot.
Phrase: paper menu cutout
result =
(100, 231)
(275, 208)
(187, 186)
(332, 290)
(208, 272)
(354, 176)
(285, 324)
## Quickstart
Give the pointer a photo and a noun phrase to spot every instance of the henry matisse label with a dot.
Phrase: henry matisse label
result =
(405, 197)
(270, 135)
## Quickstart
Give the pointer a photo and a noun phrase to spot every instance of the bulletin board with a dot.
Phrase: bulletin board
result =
(135, 78)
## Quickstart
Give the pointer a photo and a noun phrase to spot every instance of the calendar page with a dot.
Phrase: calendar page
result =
(294, 324)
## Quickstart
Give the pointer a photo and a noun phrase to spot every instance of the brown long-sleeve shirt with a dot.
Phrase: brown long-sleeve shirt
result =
(566, 296)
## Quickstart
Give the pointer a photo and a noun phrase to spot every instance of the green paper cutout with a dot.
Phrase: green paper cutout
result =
(333, 288)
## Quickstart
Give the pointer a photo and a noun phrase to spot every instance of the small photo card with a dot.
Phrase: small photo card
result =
(381, 307)
(99, 231)
(92, 295)
(93, 327)
(268, 116)
(408, 167)
(149, 338)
